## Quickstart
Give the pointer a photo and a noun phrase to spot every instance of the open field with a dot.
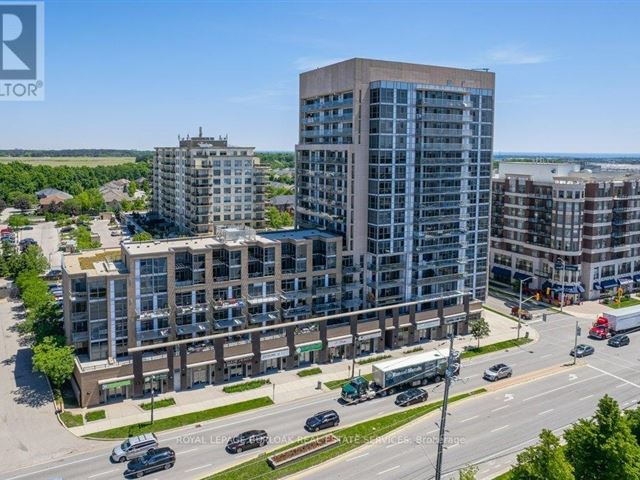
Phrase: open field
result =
(69, 161)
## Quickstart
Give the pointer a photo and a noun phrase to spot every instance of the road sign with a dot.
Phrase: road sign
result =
(559, 265)
(578, 331)
(571, 268)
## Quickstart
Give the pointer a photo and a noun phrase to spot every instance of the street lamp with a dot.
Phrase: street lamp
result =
(522, 280)
(153, 394)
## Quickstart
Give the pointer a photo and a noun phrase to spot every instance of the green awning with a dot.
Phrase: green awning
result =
(121, 383)
(309, 348)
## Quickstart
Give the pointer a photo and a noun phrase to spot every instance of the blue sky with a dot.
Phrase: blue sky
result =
(135, 74)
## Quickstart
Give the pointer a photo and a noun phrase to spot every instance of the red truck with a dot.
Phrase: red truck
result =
(611, 323)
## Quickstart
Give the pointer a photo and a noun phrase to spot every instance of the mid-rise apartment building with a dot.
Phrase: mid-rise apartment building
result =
(587, 223)
(204, 183)
(212, 309)
(396, 158)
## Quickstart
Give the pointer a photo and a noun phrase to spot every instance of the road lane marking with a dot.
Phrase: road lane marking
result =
(451, 446)
(546, 411)
(392, 445)
(55, 467)
(621, 385)
(584, 398)
(508, 397)
(561, 388)
(604, 372)
(469, 419)
(102, 473)
(432, 431)
(499, 428)
(389, 470)
(500, 408)
(198, 468)
(359, 456)
(188, 451)
(547, 355)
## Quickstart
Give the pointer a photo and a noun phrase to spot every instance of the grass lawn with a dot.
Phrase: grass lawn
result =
(86, 263)
(242, 387)
(309, 371)
(70, 161)
(95, 415)
(494, 347)
(165, 402)
(182, 420)
(71, 420)
(351, 437)
(624, 303)
(375, 358)
(333, 384)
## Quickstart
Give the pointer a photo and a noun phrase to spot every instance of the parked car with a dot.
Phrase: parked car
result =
(411, 396)
(116, 233)
(497, 372)
(582, 350)
(66, 229)
(154, 460)
(53, 274)
(326, 419)
(134, 447)
(618, 341)
(247, 441)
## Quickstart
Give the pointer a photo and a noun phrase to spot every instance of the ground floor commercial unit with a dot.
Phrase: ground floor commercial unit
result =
(218, 361)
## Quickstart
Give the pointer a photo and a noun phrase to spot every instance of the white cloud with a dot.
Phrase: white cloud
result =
(309, 63)
(515, 55)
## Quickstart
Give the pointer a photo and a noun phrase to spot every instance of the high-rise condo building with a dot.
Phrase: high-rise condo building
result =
(204, 183)
(396, 157)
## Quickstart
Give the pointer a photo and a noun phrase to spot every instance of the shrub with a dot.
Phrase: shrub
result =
(309, 371)
(95, 415)
(241, 387)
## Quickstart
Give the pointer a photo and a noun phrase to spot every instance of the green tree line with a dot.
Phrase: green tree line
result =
(18, 179)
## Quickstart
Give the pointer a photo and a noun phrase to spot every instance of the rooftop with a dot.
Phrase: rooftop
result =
(95, 262)
(306, 234)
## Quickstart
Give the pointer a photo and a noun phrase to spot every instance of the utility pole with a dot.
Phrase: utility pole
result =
(443, 418)
(520, 303)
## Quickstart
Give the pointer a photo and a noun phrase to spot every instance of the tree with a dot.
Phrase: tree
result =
(603, 447)
(31, 260)
(142, 237)
(17, 221)
(543, 461)
(23, 202)
(278, 219)
(132, 188)
(43, 321)
(468, 473)
(479, 329)
(633, 419)
(53, 359)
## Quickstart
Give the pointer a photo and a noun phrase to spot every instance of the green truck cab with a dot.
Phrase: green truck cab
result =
(357, 389)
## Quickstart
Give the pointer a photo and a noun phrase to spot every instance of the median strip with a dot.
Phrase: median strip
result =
(181, 420)
(349, 439)
(495, 347)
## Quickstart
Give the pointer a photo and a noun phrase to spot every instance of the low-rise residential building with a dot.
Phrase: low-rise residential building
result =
(205, 183)
(212, 309)
(284, 203)
(553, 219)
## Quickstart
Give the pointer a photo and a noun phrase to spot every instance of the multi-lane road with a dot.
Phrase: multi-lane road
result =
(487, 430)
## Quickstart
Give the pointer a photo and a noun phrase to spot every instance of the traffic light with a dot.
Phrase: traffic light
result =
(548, 291)
(537, 296)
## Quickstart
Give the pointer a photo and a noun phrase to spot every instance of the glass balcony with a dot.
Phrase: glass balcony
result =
(264, 317)
(153, 334)
(296, 311)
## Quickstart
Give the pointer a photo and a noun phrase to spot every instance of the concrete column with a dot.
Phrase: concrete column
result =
(354, 331)
(323, 355)
(218, 351)
(382, 325)
(412, 329)
(183, 367)
(138, 379)
(170, 388)
(289, 362)
(396, 327)
(255, 348)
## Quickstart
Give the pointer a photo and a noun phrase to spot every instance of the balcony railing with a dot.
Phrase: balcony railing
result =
(296, 294)
(325, 290)
(443, 102)
(324, 307)
(153, 334)
(296, 311)
(161, 312)
(224, 304)
(192, 328)
(258, 298)
(264, 317)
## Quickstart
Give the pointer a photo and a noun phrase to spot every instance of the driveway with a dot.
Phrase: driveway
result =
(29, 430)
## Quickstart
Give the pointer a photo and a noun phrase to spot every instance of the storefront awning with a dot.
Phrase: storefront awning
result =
(571, 289)
(244, 356)
(608, 284)
(501, 272)
(523, 277)
(636, 277)
(596, 285)
(622, 281)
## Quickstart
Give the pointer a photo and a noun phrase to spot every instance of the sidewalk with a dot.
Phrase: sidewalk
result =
(288, 386)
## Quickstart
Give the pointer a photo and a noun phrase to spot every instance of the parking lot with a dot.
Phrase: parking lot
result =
(48, 239)
(101, 227)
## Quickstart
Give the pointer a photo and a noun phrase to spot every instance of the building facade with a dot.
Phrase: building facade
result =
(587, 223)
(396, 158)
(204, 183)
(212, 309)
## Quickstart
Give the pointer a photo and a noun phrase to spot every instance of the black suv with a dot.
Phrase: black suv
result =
(411, 396)
(322, 420)
(153, 460)
(618, 341)
(247, 440)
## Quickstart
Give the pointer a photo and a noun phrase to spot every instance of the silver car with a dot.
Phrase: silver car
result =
(134, 447)
(497, 372)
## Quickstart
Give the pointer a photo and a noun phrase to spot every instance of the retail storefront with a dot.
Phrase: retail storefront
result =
(200, 373)
(116, 389)
(426, 330)
(273, 360)
(455, 321)
(238, 366)
(156, 380)
(365, 342)
(308, 352)
(338, 347)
